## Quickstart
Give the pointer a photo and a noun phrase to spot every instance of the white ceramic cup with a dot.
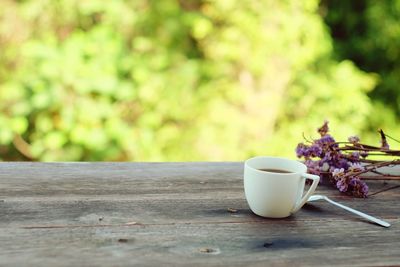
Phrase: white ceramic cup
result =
(276, 195)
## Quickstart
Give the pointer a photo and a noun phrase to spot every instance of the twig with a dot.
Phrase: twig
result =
(380, 177)
(384, 143)
(392, 138)
(384, 190)
(370, 161)
(305, 138)
(373, 166)
(382, 154)
(352, 148)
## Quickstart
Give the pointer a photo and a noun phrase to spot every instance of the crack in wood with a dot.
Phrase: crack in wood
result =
(140, 224)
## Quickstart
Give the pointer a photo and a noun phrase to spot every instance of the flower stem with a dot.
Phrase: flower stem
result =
(380, 177)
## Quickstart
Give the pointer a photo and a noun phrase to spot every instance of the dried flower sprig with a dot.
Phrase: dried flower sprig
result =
(344, 164)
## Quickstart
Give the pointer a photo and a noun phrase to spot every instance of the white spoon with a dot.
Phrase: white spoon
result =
(359, 213)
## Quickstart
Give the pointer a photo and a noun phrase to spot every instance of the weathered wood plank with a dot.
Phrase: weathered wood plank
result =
(47, 179)
(157, 210)
(230, 244)
(98, 179)
(63, 214)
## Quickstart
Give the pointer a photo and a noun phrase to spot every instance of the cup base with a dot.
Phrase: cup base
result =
(272, 216)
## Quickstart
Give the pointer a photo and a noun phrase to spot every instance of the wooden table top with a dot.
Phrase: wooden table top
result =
(178, 214)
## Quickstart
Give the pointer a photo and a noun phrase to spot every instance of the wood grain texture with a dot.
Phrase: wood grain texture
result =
(176, 214)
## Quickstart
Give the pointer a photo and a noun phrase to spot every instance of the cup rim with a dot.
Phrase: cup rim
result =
(275, 173)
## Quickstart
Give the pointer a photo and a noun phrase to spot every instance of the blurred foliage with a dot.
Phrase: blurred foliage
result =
(368, 33)
(174, 80)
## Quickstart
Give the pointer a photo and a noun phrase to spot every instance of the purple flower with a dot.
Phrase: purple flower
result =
(315, 151)
(303, 150)
(313, 166)
(355, 156)
(359, 188)
(335, 159)
(342, 185)
(363, 189)
(355, 167)
(324, 157)
(328, 156)
(354, 139)
(331, 156)
(338, 173)
(342, 163)
(326, 140)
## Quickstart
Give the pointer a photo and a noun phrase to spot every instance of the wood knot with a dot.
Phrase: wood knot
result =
(267, 244)
(209, 250)
(123, 240)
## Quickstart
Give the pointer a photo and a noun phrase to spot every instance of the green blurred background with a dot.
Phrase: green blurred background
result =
(169, 80)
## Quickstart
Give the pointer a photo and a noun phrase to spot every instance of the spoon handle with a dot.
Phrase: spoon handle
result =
(359, 213)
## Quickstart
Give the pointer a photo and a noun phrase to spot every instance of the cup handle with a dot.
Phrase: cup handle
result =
(310, 191)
